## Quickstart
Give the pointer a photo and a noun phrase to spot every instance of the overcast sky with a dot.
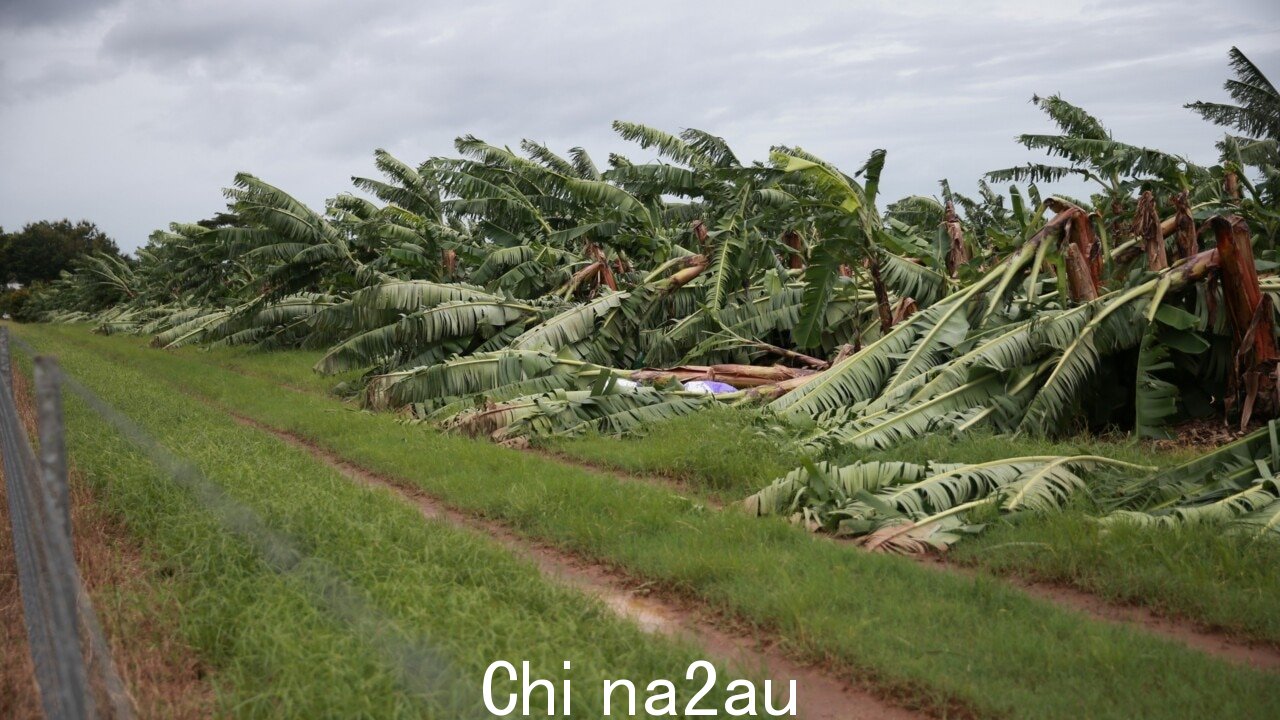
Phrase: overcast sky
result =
(135, 113)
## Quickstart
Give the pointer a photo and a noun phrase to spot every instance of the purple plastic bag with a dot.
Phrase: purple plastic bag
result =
(708, 387)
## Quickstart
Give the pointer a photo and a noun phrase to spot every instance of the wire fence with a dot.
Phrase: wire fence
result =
(422, 669)
(74, 672)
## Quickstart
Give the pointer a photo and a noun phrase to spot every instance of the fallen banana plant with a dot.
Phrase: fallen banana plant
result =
(607, 408)
(1235, 486)
(905, 507)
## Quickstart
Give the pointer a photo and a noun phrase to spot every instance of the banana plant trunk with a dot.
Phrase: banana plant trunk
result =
(1080, 283)
(793, 241)
(882, 294)
(1184, 227)
(1147, 227)
(1082, 237)
(739, 376)
(1231, 186)
(1250, 314)
(957, 251)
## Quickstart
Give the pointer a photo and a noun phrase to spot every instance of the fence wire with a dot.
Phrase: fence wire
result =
(422, 669)
(62, 627)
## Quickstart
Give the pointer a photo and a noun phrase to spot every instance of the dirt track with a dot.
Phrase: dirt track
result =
(820, 696)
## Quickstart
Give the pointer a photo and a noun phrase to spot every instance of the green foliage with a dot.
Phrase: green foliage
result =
(13, 303)
(1257, 111)
(1255, 114)
(1091, 153)
(41, 251)
(910, 507)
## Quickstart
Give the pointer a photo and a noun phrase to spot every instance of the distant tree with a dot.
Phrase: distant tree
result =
(42, 250)
(12, 302)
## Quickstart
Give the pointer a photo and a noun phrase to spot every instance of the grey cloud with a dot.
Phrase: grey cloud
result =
(40, 13)
(56, 78)
(183, 94)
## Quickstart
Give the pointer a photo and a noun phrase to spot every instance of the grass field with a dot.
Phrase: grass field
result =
(719, 452)
(1218, 580)
(933, 640)
(272, 636)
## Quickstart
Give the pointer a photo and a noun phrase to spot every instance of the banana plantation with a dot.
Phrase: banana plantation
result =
(517, 294)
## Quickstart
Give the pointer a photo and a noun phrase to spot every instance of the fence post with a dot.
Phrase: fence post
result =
(53, 445)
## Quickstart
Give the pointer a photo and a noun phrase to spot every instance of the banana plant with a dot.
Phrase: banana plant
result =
(907, 507)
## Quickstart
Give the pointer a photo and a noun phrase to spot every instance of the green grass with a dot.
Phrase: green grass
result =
(291, 368)
(1224, 581)
(1221, 581)
(273, 638)
(719, 451)
(939, 639)
(729, 454)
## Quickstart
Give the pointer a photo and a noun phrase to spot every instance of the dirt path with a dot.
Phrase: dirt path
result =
(1241, 652)
(162, 674)
(1263, 657)
(1186, 632)
(819, 695)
